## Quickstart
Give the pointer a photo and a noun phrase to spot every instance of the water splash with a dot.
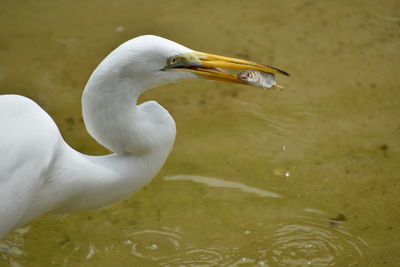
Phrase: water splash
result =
(11, 247)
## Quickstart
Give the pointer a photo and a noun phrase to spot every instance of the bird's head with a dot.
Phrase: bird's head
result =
(154, 61)
(135, 66)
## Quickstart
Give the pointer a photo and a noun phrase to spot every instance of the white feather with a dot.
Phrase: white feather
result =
(40, 173)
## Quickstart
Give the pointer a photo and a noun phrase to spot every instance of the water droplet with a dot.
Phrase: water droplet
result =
(152, 246)
(120, 29)
(127, 242)
(23, 230)
(243, 261)
(262, 263)
(92, 251)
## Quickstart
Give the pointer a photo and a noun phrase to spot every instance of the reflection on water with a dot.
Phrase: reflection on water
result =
(216, 182)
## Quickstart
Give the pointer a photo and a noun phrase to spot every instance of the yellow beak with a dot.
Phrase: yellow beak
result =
(210, 66)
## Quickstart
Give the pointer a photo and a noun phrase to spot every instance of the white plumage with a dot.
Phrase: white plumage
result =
(40, 173)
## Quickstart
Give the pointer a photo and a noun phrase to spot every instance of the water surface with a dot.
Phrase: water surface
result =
(307, 176)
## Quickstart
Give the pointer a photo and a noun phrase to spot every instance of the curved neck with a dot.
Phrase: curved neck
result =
(112, 117)
(140, 135)
(108, 104)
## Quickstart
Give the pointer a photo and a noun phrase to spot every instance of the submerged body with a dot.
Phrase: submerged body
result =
(41, 173)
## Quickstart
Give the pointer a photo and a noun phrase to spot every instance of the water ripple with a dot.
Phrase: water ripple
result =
(154, 245)
(199, 257)
(288, 241)
(303, 241)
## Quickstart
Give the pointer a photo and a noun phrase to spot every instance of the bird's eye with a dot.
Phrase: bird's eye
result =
(172, 60)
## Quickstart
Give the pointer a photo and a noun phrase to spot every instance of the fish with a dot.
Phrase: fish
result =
(258, 78)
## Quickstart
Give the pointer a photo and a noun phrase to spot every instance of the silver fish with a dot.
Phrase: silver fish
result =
(258, 79)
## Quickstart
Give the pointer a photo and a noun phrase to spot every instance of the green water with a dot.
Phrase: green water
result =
(307, 176)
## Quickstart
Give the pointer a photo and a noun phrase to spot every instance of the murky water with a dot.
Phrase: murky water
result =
(307, 176)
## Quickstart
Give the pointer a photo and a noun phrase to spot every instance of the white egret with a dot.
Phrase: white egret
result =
(40, 173)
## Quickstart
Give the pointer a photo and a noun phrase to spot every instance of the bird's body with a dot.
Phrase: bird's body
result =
(41, 173)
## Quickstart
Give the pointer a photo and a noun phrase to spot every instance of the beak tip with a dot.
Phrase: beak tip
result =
(280, 71)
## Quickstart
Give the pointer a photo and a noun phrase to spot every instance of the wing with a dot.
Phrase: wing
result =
(29, 140)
